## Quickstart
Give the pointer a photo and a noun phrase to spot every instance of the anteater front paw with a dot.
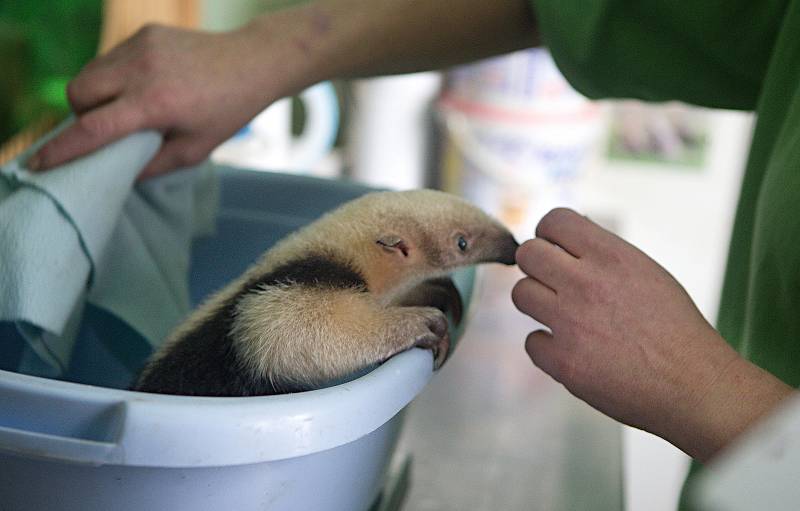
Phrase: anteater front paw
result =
(426, 327)
(440, 293)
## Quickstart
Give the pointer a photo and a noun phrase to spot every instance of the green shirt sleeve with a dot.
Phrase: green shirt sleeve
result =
(712, 53)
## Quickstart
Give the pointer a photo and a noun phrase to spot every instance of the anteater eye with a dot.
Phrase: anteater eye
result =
(462, 243)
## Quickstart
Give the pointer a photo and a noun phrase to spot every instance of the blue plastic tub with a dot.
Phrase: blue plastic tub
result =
(90, 446)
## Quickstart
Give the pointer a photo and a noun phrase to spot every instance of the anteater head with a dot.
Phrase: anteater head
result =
(396, 238)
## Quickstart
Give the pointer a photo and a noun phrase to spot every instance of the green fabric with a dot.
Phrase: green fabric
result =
(734, 54)
(42, 45)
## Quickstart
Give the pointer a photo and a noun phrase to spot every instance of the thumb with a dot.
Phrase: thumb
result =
(176, 153)
(548, 355)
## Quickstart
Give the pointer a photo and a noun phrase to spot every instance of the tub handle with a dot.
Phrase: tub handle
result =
(56, 447)
(41, 421)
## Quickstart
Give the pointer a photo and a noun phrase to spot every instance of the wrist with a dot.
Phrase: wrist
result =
(286, 53)
(731, 402)
(299, 46)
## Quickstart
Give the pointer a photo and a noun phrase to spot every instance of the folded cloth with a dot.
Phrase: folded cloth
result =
(86, 232)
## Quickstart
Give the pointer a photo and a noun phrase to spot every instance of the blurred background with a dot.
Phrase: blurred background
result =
(491, 431)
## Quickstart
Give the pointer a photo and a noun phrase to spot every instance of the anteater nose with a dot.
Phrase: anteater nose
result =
(508, 250)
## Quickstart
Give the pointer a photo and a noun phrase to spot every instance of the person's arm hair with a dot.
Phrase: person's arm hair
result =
(361, 38)
(739, 397)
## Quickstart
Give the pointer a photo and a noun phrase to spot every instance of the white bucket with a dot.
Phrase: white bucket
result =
(517, 136)
(267, 142)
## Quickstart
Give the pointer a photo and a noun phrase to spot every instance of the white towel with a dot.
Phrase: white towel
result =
(86, 231)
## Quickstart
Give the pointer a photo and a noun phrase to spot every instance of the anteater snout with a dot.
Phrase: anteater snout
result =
(500, 248)
(508, 250)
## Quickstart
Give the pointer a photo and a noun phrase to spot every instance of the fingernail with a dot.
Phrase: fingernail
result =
(34, 162)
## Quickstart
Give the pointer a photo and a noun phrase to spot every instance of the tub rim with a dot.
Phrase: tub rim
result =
(132, 428)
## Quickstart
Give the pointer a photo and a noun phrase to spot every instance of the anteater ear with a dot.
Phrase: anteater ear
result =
(393, 243)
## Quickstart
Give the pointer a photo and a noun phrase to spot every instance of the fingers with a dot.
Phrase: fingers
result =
(546, 262)
(175, 153)
(92, 89)
(548, 355)
(89, 132)
(536, 300)
(101, 80)
(573, 232)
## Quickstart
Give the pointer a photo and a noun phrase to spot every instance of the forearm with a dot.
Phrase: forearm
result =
(357, 38)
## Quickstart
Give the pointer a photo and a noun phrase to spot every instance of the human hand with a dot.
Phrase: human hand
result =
(196, 88)
(627, 339)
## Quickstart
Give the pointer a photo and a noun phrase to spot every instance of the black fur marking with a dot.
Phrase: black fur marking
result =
(315, 270)
(205, 363)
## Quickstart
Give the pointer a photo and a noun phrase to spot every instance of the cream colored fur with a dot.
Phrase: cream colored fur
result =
(334, 332)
